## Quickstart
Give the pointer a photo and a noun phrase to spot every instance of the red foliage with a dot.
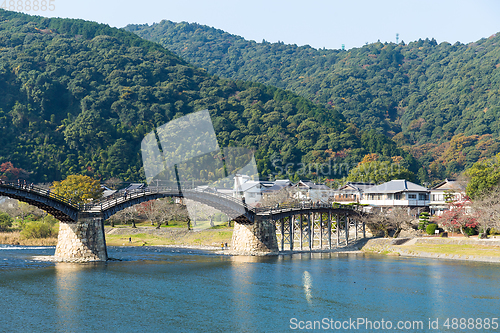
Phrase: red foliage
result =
(146, 207)
(458, 216)
(9, 172)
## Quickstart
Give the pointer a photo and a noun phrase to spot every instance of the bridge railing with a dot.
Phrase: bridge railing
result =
(303, 206)
(122, 196)
(41, 191)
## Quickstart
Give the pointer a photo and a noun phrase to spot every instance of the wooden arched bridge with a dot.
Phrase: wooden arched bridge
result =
(257, 229)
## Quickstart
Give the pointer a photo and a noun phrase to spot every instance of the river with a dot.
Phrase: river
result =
(155, 289)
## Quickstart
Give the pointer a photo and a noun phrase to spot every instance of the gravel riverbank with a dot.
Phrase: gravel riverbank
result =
(459, 248)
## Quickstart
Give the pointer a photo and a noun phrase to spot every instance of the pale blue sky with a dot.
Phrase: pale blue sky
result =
(319, 23)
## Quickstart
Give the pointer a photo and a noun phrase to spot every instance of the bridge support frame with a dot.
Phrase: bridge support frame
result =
(83, 240)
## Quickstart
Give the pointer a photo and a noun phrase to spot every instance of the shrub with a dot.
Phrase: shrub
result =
(37, 229)
(50, 219)
(431, 228)
(494, 231)
(5, 221)
(421, 226)
(470, 231)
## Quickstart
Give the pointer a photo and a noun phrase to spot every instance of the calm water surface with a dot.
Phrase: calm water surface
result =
(175, 290)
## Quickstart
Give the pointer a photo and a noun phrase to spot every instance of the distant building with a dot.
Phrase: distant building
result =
(250, 190)
(351, 192)
(106, 191)
(397, 193)
(309, 191)
(449, 190)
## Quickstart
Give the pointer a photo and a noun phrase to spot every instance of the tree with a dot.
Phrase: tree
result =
(399, 218)
(458, 216)
(37, 229)
(24, 209)
(10, 173)
(379, 172)
(5, 221)
(113, 183)
(286, 195)
(161, 211)
(487, 210)
(124, 216)
(484, 175)
(78, 188)
(148, 208)
(423, 220)
(395, 220)
(200, 212)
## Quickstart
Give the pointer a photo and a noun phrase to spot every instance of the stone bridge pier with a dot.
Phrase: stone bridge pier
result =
(83, 240)
(257, 238)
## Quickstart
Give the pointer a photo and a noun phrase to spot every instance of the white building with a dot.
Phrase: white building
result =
(309, 191)
(444, 192)
(250, 190)
(397, 193)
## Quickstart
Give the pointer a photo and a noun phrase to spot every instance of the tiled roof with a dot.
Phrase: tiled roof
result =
(395, 186)
(449, 184)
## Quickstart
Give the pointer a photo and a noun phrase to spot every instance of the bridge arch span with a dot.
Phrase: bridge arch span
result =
(51, 203)
(227, 205)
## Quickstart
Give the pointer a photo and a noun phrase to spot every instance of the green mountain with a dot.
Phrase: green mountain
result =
(78, 97)
(438, 101)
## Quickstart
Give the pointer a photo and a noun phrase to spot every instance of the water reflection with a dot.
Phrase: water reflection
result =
(307, 282)
(68, 298)
(71, 293)
(242, 289)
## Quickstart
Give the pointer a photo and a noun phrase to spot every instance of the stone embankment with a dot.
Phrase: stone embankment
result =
(473, 249)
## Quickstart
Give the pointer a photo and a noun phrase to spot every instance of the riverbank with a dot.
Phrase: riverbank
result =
(456, 248)
(180, 237)
(459, 248)
(15, 238)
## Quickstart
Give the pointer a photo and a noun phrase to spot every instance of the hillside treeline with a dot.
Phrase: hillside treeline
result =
(438, 101)
(78, 97)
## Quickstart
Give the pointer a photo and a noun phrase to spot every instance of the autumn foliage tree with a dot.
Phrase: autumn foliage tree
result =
(78, 188)
(9, 173)
(458, 217)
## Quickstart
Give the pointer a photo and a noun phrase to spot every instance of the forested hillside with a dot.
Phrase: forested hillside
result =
(78, 97)
(439, 101)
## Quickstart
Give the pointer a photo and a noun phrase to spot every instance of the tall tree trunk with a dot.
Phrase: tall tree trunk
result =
(398, 231)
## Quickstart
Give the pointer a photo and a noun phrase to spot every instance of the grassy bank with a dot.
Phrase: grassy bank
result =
(461, 249)
(455, 249)
(15, 238)
(150, 236)
(141, 236)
